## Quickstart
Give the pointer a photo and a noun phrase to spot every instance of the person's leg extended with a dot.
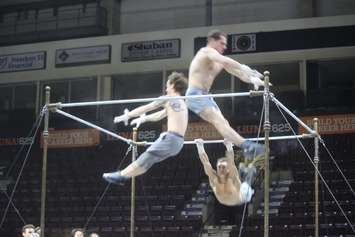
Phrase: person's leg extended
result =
(138, 167)
(135, 169)
(215, 117)
(167, 145)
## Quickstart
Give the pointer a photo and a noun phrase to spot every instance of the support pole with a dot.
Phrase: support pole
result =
(316, 180)
(92, 125)
(267, 153)
(44, 162)
(298, 120)
(133, 184)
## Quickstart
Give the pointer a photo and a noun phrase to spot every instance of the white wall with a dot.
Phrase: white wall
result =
(187, 50)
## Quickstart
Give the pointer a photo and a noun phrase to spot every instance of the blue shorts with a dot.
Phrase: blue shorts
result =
(197, 105)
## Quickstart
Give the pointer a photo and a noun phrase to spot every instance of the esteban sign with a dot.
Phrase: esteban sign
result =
(150, 50)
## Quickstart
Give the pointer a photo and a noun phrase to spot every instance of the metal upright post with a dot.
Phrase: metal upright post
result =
(316, 180)
(44, 163)
(133, 184)
(267, 153)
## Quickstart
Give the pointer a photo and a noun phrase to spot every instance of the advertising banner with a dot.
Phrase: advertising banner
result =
(22, 62)
(70, 138)
(83, 56)
(332, 124)
(15, 141)
(150, 50)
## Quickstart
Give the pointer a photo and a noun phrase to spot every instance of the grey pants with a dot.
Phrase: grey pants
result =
(167, 145)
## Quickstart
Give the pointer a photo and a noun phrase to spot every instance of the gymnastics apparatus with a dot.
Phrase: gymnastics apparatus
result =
(133, 143)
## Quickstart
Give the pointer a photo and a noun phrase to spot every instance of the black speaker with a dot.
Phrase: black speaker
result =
(243, 43)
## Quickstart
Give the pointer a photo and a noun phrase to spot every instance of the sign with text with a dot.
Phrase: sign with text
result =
(150, 50)
(207, 131)
(83, 56)
(332, 124)
(15, 141)
(22, 62)
(72, 138)
(202, 130)
(277, 129)
(143, 135)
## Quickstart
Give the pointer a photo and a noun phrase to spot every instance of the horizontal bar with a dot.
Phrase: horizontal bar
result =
(109, 102)
(93, 126)
(303, 136)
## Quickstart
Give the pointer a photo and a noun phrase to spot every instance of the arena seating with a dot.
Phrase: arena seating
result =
(296, 213)
(74, 187)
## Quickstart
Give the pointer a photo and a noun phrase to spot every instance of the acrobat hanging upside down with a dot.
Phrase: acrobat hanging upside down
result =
(226, 181)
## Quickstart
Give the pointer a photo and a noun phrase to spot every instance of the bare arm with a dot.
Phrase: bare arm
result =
(143, 109)
(230, 65)
(156, 116)
(242, 71)
(230, 156)
(210, 172)
(149, 118)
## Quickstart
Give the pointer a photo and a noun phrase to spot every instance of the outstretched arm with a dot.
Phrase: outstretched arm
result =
(242, 71)
(210, 172)
(137, 112)
(230, 156)
(143, 109)
(149, 118)
(156, 116)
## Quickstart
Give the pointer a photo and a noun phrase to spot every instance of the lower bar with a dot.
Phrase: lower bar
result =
(303, 136)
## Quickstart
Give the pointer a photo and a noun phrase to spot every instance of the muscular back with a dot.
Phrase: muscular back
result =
(203, 70)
